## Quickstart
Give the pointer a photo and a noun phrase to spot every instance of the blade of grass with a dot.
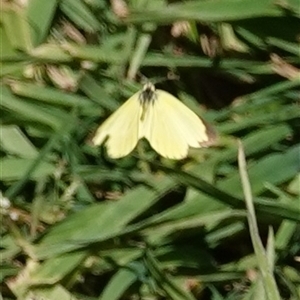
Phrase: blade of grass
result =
(193, 179)
(14, 189)
(209, 11)
(15, 142)
(118, 284)
(80, 14)
(262, 259)
(138, 55)
(40, 15)
(165, 282)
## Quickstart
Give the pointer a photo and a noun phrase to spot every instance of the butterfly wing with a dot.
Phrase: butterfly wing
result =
(121, 129)
(171, 127)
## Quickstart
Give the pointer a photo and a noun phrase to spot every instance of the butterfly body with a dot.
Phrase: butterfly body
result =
(169, 126)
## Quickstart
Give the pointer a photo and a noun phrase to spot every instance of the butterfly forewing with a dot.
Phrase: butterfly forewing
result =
(121, 129)
(171, 127)
(190, 126)
(161, 132)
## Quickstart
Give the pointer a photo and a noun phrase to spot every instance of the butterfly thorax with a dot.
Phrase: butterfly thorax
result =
(147, 97)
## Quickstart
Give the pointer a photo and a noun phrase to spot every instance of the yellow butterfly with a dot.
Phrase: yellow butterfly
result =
(169, 126)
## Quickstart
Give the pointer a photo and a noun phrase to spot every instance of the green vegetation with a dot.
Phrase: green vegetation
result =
(76, 224)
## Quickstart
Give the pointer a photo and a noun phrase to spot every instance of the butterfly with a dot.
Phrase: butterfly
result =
(169, 126)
